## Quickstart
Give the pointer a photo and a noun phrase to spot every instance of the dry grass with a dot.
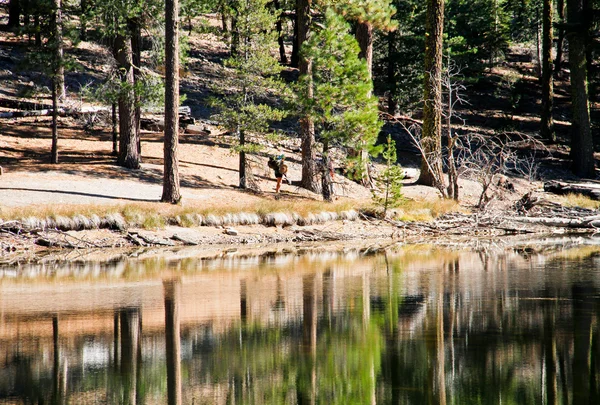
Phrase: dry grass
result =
(156, 216)
(418, 211)
(578, 200)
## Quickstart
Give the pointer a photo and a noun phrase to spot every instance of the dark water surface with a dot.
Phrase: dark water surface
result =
(418, 325)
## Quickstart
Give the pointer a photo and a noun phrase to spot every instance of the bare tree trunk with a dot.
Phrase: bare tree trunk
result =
(326, 180)
(59, 72)
(560, 8)
(431, 167)
(242, 163)
(547, 123)
(295, 57)
(171, 193)
(307, 126)
(136, 47)
(391, 73)
(129, 156)
(115, 132)
(279, 26)
(54, 151)
(14, 14)
(582, 148)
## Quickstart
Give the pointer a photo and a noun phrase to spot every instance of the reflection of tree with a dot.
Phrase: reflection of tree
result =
(172, 337)
(129, 320)
(582, 323)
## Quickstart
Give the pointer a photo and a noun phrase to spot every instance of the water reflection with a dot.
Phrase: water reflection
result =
(418, 325)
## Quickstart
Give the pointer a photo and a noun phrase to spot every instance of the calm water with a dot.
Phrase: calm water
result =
(415, 326)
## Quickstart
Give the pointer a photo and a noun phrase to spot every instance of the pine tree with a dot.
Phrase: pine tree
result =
(342, 107)
(390, 179)
(431, 166)
(252, 78)
(171, 192)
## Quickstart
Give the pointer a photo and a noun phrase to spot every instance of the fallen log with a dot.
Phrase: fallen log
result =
(591, 190)
(584, 222)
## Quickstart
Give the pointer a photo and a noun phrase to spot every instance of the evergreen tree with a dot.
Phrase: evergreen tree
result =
(390, 179)
(344, 111)
(547, 123)
(307, 126)
(582, 148)
(252, 78)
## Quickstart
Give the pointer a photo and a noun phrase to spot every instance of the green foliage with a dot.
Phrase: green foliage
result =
(390, 180)
(481, 28)
(404, 49)
(342, 107)
(252, 76)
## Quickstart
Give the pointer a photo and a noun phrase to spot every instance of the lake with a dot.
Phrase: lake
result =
(305, 325)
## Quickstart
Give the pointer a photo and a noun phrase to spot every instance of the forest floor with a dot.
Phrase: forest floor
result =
(87, 181)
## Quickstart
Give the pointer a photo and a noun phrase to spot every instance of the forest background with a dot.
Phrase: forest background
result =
(483, 90)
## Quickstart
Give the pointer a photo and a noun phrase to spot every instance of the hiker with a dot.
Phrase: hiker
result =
(280, 169)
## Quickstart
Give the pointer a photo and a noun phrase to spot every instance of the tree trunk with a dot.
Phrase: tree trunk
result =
(547, 123)
(295, 57)
(279, 26)
(307, 126)
(391, 73)
(242, 162)
(54, 152)
(129, 156)
(135, 29)
(431, 166)
(171, 193)
(14, 14)
(115, 131)
(582, 148)
(326, 180)
(560, 8)
(364, 37)
(59, 71)
(83, 19)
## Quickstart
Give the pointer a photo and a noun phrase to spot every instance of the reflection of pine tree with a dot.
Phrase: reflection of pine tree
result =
(250, 81)
(390, 180)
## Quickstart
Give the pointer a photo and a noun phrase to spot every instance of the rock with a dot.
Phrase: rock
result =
(231, 231)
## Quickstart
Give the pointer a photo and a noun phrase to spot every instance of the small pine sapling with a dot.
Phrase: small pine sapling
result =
(389, 182)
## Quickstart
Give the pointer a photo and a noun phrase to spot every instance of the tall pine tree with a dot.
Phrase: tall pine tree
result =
(342, 106)
(251, 79)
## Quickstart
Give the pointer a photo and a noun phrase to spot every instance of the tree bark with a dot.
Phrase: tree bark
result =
(129, 156)
(14, 14)
(171, 193)
(431, 167)
(295, 57)
(307, 126)
(242, 162)
(135, 29)
(560, 8)
(547, 123)
(391, 73)
(115, 131)
(54, 151)
(59, 71)
(279, 26)
(582, 148)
